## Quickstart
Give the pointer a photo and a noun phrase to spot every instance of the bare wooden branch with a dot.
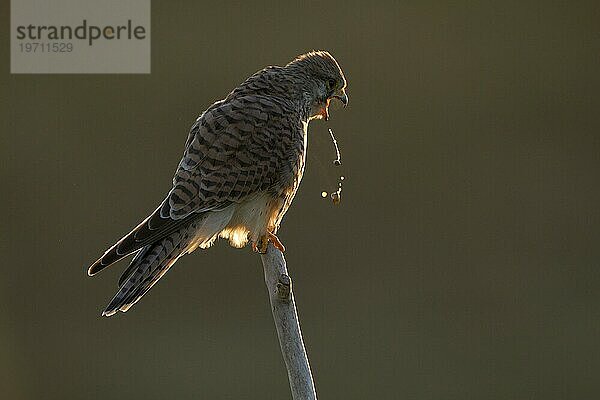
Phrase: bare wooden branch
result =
(279, 285)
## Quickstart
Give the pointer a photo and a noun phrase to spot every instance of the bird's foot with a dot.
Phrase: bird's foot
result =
(276, 242)
(260, 246)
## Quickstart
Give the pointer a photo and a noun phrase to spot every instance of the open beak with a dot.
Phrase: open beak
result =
(338, 94)
(341, 96)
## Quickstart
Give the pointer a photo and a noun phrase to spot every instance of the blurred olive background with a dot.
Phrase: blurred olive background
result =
(462, 262)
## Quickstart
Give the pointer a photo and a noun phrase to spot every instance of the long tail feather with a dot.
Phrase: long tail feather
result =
(150, 230)
(153, 260)
(149, 265)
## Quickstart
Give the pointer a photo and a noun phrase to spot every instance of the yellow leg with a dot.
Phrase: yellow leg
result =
(276, 242)
(260, 246)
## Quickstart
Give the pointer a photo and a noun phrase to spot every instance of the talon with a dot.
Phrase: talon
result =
(260, 246)
(276, 242)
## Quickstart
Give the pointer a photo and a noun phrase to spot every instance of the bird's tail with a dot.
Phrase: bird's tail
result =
(148, 266)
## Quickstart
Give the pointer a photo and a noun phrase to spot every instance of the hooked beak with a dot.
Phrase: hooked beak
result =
(341, 96)
(338, 94)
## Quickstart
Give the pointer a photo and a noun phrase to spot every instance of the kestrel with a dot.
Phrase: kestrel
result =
(243, 161)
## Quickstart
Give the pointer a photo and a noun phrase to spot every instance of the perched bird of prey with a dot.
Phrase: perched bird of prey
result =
(243, 161)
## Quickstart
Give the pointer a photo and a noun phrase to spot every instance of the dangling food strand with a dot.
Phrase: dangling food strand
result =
(336, 197)
(338, 160)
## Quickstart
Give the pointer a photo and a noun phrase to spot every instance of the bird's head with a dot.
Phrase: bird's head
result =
(320, 79)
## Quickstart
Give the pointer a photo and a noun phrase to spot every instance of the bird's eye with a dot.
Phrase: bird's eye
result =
(331, 84)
